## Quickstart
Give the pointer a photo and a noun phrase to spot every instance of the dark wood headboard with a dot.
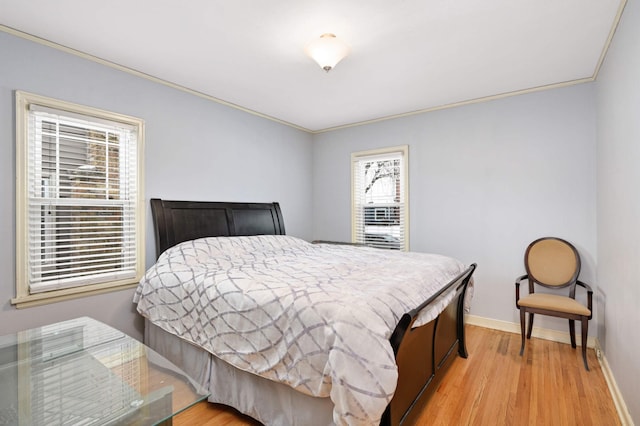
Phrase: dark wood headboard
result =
(178, 221)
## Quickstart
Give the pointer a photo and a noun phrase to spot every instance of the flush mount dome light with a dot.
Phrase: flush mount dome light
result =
(327, 51)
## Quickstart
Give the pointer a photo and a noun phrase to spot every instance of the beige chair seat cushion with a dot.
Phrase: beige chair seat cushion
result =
(554, 303)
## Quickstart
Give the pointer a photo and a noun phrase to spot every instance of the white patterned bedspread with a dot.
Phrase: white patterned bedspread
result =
(317, 317)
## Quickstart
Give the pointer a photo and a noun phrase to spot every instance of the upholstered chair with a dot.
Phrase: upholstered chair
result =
(554, 264)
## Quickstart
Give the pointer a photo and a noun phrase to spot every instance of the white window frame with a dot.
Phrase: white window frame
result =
(356, 205)
(25, 164)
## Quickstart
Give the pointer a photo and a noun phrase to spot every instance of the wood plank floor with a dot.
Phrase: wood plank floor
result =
(548, 385)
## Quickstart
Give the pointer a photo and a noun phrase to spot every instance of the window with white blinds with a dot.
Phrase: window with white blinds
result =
(379, 198)
(79, 192)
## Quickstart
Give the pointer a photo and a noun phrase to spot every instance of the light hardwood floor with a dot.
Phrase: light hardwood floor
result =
(548, 385)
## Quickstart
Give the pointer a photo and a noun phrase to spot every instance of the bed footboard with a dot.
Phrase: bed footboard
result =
(424, 353)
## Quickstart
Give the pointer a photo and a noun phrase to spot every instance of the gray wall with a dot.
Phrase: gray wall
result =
(485, 180)
(618, 100)
(195, 149)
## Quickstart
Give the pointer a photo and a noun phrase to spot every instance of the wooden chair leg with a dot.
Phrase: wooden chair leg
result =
(585, 328)
(530, 325)
(522, 329)
(572, 333)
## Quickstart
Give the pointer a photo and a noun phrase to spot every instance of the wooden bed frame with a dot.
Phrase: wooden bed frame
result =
(423, 354)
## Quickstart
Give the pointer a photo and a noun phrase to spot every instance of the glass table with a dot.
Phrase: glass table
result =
(83, 372)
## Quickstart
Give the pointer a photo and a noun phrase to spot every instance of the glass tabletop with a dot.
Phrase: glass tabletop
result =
(84, 372)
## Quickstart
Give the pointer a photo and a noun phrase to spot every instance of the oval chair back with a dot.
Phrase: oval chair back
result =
(553, 263)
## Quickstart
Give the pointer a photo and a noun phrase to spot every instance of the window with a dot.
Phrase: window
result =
(79, 206)
(379, 198)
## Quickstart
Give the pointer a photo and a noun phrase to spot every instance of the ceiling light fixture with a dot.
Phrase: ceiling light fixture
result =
(327, 51)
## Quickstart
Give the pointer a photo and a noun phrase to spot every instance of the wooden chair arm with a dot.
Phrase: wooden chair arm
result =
(589, 295)
(585, 285)
(518, 281)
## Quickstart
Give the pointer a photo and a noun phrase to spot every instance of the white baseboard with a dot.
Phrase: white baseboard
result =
(563, 337)
(618, 400)
(541, 333)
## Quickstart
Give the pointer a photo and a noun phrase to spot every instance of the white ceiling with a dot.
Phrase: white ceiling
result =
(406, 55)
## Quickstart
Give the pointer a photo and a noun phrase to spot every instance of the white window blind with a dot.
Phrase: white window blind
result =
(81, 207)
(380, 198)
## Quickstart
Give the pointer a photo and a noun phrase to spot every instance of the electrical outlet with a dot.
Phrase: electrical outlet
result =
(599, 354)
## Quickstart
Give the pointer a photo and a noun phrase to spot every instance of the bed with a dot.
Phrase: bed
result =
(319, 363)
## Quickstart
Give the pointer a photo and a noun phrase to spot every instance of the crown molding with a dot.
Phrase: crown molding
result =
(339, 127)
(146, 76)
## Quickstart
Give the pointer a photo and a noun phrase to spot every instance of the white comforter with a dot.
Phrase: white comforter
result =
(314, 316)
